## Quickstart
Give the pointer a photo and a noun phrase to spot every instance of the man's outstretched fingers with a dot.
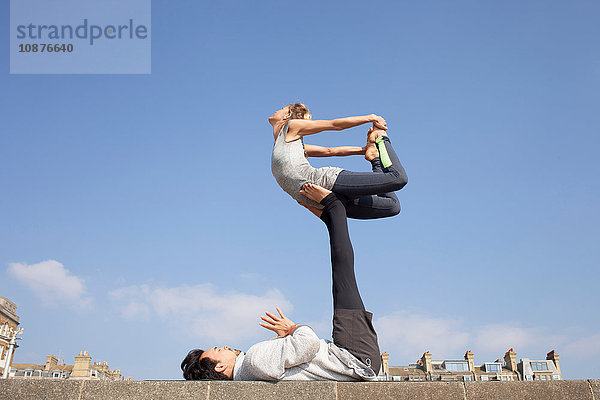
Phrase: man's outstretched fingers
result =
(267, 320)
(269, 327)
(275, 318)
(274, 329)
(280, 313)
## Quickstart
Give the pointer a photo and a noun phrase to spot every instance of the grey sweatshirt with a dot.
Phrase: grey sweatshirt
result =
(291, 169)
(301, 356)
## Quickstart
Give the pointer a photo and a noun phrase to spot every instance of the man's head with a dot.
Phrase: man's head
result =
(215, 363)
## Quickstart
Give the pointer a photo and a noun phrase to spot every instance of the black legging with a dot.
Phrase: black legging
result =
(371, 194)
(352, 324)
(345, 289)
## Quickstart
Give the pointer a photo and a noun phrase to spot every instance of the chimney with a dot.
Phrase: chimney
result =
(470, 359)
(426, 362)
(81, 368)
(552, 356)
(384, 363)
(116, 374)
(51, 362)
(510, 359)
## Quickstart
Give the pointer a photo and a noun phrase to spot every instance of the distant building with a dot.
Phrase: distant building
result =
(81, 369)
(499, 370)
(410, 372)
(9, 321)
(541, 370)
(507, 369)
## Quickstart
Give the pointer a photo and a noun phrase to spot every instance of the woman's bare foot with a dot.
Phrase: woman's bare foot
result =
(373, 133)
(371, 137)
(371, 152)
(314, 192)
(313, 210)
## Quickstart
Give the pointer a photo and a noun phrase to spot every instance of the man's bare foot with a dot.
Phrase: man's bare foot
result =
(373, 133)
(314, 192)
(313, 210)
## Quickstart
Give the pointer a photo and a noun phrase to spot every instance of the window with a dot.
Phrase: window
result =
(493, 367)
(466, 378)
(529, 377)
(94, 373)
(484, 377)
(543, 377)
(457, 366)
(56, 375)
(28, 373)
(539, 366)
(504, 378)
(557, 377)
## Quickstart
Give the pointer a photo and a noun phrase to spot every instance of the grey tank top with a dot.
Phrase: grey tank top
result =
(292, 170)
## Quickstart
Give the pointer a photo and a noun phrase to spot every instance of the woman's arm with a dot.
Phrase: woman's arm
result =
(319, 151)
(302, 127)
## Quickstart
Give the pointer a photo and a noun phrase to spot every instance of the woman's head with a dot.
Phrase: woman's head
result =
(299, 111)
(293, 111)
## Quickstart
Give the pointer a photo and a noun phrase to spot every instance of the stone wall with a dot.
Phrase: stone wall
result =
(26, 389)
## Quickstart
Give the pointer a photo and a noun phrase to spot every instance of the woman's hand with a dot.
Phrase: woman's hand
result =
(378, 122)
(280, 325)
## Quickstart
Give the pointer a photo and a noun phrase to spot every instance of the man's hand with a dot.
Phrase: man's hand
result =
(280, 325)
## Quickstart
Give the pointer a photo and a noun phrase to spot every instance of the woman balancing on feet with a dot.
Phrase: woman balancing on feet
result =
(367, 195)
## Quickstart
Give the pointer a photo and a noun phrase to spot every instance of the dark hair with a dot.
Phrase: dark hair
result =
(299, 111)
(195, 368)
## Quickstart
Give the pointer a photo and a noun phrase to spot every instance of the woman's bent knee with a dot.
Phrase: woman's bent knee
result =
(399, 179)
(399, 182)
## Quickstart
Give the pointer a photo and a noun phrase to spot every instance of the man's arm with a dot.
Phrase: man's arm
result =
(294, 345)
(320, 151)
(302, 127)
(268, 360)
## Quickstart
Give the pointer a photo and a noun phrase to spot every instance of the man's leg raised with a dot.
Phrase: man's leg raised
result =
(352, 325)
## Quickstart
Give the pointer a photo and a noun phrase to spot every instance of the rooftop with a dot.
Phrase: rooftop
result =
(176, 390)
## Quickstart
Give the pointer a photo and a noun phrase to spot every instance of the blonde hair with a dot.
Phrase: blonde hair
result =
(299, 111)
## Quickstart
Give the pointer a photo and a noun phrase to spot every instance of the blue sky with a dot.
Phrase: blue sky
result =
(139, 217)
